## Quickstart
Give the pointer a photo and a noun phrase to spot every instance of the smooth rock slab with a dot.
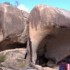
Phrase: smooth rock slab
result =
(14, 59)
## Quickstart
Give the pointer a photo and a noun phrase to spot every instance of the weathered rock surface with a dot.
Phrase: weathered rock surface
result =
(14, 29)
(54, 24)
(13, 59)
(13, 25)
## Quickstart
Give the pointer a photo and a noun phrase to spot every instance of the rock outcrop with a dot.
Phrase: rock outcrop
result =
(13, 25)
(15, 60)
(54, 24)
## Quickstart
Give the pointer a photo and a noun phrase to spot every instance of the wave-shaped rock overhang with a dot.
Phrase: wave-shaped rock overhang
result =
(54, 16)
(44, 17)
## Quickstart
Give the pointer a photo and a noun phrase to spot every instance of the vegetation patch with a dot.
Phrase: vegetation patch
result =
(2, 58)
(23, 63)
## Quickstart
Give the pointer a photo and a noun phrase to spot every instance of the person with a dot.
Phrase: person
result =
(63, 66)
(67, 66)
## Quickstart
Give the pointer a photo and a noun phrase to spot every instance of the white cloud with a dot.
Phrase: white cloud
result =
(22, 7)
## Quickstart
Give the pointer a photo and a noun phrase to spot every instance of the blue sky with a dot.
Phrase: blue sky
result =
(65, 4)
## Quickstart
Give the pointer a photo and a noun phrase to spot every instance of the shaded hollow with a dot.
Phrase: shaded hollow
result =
(57, 47)
(7, 44)
(41, 59)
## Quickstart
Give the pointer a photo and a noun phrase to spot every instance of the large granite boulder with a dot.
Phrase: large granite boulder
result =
(54, 24)
(13, 24)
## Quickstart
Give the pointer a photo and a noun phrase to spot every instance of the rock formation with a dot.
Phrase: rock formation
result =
(54, 24)
(49, 31)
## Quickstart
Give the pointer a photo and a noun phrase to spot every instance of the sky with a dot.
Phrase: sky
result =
(29, 4)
